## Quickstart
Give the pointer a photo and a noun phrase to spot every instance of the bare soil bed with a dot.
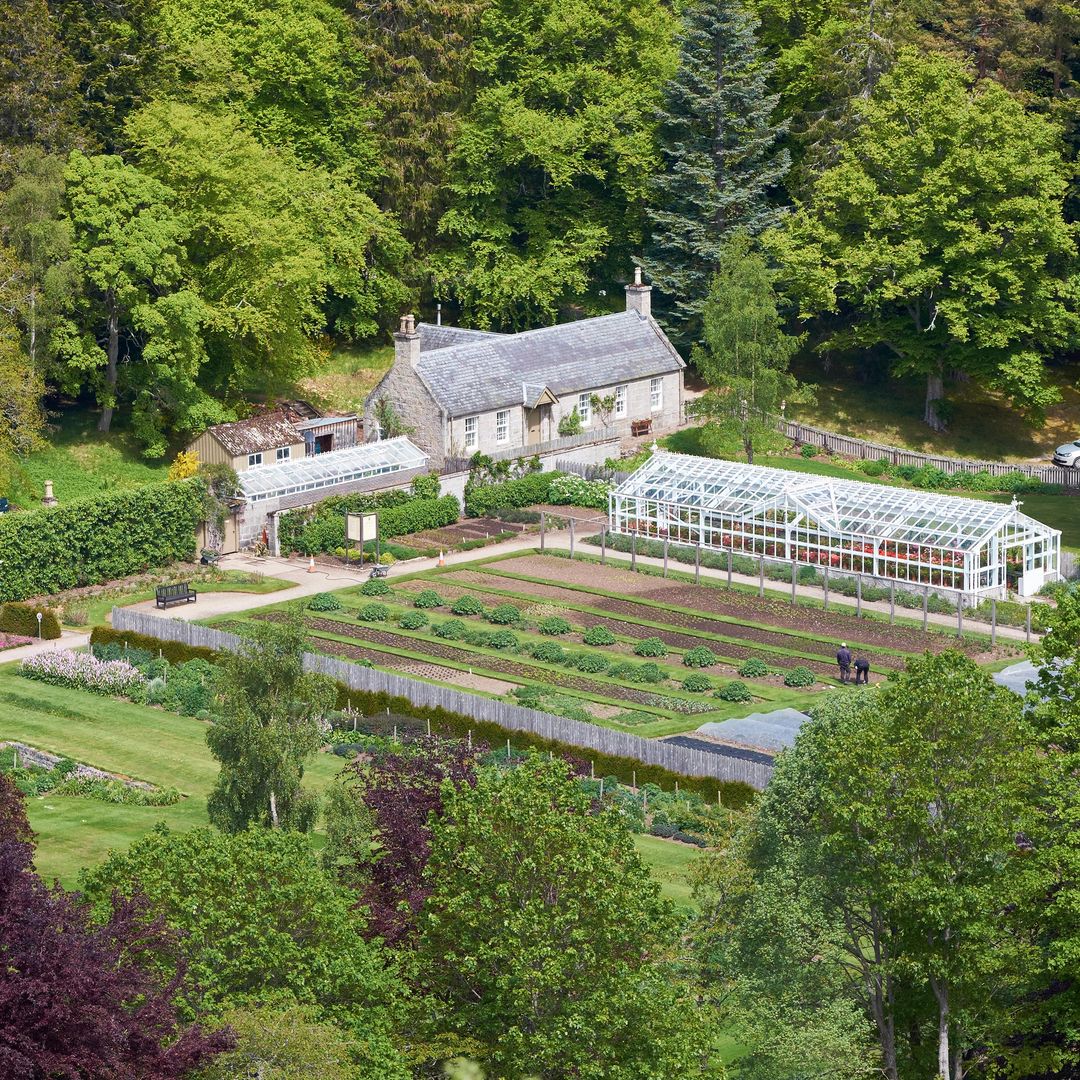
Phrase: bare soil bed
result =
(450, 536)
(578, 513)
(457, 678)
(829, 627)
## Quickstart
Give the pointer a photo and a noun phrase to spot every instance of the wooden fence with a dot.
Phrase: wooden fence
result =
(591, 472)
(552, 446)
(871, 451)
(584, 736)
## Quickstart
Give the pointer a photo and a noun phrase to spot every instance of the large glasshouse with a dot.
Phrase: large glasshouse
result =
(893, 534)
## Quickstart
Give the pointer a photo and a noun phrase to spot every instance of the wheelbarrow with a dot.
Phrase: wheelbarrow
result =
(209, 557)
(377, 571)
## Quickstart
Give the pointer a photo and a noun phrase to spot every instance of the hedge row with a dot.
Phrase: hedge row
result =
(323, 529)
(455, 725)
(98, 538)
(22, 619)
(481, 500)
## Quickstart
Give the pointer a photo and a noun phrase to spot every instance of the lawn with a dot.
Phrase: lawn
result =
(134, 740)
(81, 461)
(348, 375)
(668, 862)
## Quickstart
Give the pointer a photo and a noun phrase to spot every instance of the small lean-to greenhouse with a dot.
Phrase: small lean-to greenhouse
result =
(966, 546)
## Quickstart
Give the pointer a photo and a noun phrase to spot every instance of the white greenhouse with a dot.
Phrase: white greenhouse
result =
(892, 534)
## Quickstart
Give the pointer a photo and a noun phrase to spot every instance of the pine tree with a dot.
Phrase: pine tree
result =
(720, 157)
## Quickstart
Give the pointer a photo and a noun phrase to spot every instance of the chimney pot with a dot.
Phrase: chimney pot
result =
(407, 342)
(639, 295)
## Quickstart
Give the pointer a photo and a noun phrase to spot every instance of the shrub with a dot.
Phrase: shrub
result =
(467, 605)
(553, 625)
(482, 500)
(451, 630)
(190, 687)
(799, 676)
(570, 424)
(21, 619)
(426, 486)
(647, 673)
(504, 614)
(76, 616)
(589, 662)
(416, 515)
(373, 613)
(427, 598)
(734, 691)
(569, 490)
(324, 601)
(412, 620)
(808, 451)
(84, 671)
(503, 639)
(598, 635)
(375, 587)
(477, 636)
(699, 656)
(650, 646)
(549, 652)
(697, 683)
(753, 668)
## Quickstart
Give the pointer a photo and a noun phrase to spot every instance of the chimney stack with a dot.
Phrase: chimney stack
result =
(639, 296)
(407, 342)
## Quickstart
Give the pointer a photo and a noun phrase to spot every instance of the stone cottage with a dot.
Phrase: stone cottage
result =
(458, 392)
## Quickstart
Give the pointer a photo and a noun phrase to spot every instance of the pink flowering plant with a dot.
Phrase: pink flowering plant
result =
(83, 671)
(13, 641)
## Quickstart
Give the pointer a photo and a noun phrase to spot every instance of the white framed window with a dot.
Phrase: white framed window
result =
(656, 394)
(584, 408)
(284, 453)
(471, 430)
(254, 459)
(620, 402)
(502, 426)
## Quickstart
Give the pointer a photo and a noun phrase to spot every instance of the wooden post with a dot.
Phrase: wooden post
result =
(601, 789)
(1027, 628)
(892, 602)
(993, 622)
(761, 576)
(925, 605)
(429, 727)
(633, 774)
(543, 528)
(825, 603)
(960, 616)
(729, 562)
(697, 563)
(858, 596)
(603, 544)
(592, 770)
(571, 538)
(794, 579)
(665, 555)
(633, 551)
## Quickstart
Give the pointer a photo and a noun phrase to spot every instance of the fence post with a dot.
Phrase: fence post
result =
(761, 576)
(697, 563)
(794, 579)
(993, 623)
(858, 596)
(633, 551)
(960, 616)
(1027, 628)
(825, 604)
(892, 602)
(603, 544)
(543, 528)
(665, 555)
(571, 538)
(925, 605)
(729, 561)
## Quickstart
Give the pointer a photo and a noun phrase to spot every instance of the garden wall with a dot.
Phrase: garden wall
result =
(675, 759)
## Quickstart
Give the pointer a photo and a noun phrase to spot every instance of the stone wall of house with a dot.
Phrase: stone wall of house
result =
(487, 424)
(638, 404)
(415, 407)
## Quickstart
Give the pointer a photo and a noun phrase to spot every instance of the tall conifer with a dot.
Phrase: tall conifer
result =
(721, 155)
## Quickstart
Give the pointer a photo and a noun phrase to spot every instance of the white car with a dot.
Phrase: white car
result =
(1068, 456)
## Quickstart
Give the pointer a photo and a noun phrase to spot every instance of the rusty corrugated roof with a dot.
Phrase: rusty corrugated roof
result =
(267, 431)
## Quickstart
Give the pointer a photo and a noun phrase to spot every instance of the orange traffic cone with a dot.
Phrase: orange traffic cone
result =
(442, 558)
(311, 565)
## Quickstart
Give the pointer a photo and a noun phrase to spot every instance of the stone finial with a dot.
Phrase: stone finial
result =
(50, 499)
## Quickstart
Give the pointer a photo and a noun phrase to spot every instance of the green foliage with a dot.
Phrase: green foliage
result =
(375, 587)
(502, 639)
(697, 683)
(325, 601)
(734, 691)
(427, 486)
(570, 424)
(22, 619)
(110, 644)
(800, 676)
(482, 499)
(699, 656)
(524, 852)
(570, 490)
(412, 620)
(467, 605)
(116, 792)
(101, 538)
(451, 630)
(753, 668)
(647, 673)
(598, 635)
(260, 923)
(504, 614)
(808, 451)
(553, 625)
(373, 613)
(650, 646)
(589, 662)
(427, 598)
(549, 652)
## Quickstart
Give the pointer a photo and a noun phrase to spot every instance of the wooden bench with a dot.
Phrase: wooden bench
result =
(180, 593)
(640, 427)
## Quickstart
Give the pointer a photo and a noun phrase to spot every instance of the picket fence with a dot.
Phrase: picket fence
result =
(677, 759)
(552, 446)
(871, 451)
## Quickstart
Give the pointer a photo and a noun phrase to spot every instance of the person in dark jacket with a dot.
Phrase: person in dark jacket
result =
(843, 660)
(862, 671)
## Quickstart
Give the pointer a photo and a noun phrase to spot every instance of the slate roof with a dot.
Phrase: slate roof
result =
(591, 354)
(434, 337)
(266, 431)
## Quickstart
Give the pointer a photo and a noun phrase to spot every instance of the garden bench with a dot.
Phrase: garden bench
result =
(180, 593)
(640, 427)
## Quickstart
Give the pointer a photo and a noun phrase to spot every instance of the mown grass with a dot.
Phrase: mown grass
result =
(669, 862)
(348, 374)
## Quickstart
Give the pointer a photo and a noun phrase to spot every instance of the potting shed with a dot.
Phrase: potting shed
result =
(959, 545)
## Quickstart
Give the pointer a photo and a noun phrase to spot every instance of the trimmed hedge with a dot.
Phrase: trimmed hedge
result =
(22, 619)
(481, 500)
(99, 538)
(176, 652)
